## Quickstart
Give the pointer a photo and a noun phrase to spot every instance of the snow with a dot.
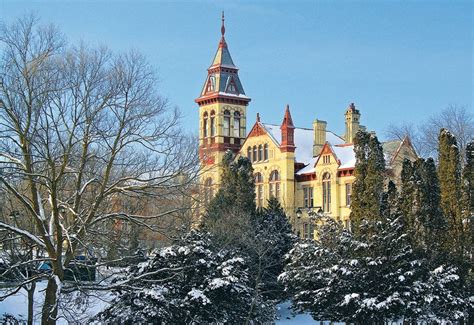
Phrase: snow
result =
(196, 294)
(346, 155)
(17, 305)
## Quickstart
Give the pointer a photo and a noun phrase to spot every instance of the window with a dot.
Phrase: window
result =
(226, 123)
(204, 124)
(326, 159)
(213, 124)
(259, 189)
(254, 156)
(249, 153)
(308, 197)
(236, 124)
(260, 152)
(265, 151)
(211, 84)
(348, 194)
(326, 192)
(308, 230)
(275, 184)
(208, 191)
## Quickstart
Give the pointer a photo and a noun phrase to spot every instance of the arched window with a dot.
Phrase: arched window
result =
(208, 191)
(236, 124)
(226, 123)
(327, 192)
(265, 151)
(204, 124)
(275, 184)
(249, 153)
(260, 152)
(254, 156)
(213, 123)
(259, 190)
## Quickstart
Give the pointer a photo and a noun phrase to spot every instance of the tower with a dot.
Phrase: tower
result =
(352, 123)
(222, 113)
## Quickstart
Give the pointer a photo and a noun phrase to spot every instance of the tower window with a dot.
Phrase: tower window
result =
(326, 192)
(204, 125)
(236, 124)
(211, 84)
(226, 123)
(213, 124)
(259, 189)
(265, 151)
(275, 184)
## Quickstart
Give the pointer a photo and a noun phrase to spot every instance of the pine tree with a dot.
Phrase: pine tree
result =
(368, 186)
(449, 172)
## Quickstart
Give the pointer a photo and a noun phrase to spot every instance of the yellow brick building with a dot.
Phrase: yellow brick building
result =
(310, 170)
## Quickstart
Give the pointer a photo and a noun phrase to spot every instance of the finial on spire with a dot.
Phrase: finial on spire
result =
(258, 117)
(223, 27)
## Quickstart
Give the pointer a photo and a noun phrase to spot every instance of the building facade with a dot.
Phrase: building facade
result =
(310, 170)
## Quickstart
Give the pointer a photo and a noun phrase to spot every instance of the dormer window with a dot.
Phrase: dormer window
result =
(231, 87)
(211, 84)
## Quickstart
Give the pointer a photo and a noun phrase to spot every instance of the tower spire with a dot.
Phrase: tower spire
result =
(223, 26)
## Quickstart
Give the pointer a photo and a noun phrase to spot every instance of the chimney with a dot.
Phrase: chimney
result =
(352, 123)
(319, 128)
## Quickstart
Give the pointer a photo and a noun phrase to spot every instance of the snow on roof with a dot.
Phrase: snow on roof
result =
(390, 148)
(309, 168)
(346, 156)
(304, 138)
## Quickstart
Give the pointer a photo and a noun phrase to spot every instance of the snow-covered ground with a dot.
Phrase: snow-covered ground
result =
(75, 306)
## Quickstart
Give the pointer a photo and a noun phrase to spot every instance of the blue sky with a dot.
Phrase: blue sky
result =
(398, 61)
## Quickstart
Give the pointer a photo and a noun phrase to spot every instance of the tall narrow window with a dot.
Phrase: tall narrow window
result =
(204, 125)
(326, 192)
(348, 194)
(275, 184)
(236, 125)
(226, 123)
(259, 189)
(249, 153)
(213, 123)
(260, 152)
(308, 197)
(308, 231)
(265, 151)
(254, 156)
(208, 191)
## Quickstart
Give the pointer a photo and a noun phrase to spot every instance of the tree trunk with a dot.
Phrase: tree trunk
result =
(31, 294)
(49, 312)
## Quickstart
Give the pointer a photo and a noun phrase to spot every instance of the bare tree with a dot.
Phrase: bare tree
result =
(457, 119)
(80, 130)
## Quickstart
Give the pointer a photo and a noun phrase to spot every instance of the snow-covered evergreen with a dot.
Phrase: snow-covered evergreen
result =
(192, 281)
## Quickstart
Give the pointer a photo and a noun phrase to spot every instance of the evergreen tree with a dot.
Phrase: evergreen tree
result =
(272, 241)
(237, 189)
(431, 215)
(368, 186)
(191, 282)
(449, 172)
